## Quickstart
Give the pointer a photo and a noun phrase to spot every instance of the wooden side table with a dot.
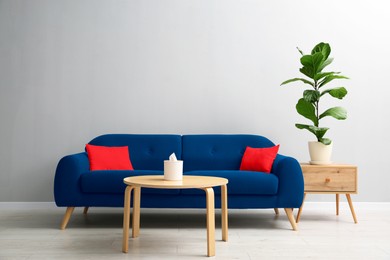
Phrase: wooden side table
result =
(330, 179)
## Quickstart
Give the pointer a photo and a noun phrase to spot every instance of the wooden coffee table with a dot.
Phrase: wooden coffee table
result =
(189, 182)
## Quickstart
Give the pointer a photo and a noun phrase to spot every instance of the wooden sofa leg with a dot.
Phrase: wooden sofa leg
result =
(85, 210)
(291, 218)
(66, 218)
(276, 211)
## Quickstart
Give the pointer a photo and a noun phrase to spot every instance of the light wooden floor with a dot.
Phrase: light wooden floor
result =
(181, 234)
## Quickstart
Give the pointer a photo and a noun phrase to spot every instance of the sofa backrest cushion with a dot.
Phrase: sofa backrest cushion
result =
(147, 151)
(218, 152)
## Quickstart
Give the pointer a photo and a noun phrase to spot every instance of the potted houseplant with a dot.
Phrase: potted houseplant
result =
(308, 105)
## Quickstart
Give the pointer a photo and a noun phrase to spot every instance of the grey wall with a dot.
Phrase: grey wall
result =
(74, 69)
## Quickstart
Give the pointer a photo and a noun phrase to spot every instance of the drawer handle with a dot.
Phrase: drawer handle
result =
(327, 180)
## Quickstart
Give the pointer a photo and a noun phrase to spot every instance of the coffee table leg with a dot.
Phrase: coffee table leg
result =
(224, 212)
(136, 211)
(126, 219)
(210, 221)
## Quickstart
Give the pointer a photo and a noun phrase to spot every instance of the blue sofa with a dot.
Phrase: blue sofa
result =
(207, 155)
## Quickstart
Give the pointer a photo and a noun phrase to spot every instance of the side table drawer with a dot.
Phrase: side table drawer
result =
(330, 179)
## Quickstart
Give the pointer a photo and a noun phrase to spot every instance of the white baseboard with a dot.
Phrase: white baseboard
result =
(357, 205)
(27, 205)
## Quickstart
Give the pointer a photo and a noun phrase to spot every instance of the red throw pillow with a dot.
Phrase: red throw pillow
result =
(259, 159)
(108, 158)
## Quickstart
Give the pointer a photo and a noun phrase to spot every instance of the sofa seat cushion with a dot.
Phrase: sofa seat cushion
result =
(112, 182)
(240, 182)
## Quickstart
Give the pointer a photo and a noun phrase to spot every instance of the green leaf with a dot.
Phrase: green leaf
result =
(325, 63)
(329, 78)
(339, 93)
(319, 76)
(311, 95)
(339, 113)
(312, 62)
(298, 79)
(307, 71)
(325, 141)
(307, 110)
(323, 48)
(319, 132)
(301, 52)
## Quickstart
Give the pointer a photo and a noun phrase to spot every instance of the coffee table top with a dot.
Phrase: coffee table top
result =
(188, 182)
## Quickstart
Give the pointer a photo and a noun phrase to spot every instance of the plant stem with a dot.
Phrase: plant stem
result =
(317, 103)
(317, 108)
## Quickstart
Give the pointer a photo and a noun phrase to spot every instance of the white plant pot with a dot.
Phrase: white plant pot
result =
(320, 153)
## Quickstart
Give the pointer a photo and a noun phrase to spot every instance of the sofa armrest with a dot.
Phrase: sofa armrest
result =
(67, 189)
(291, 185)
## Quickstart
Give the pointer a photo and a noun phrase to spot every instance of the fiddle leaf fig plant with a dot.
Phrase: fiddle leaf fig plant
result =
(308, 105)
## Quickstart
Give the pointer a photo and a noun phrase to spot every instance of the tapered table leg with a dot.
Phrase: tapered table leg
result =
(337, 203)
(351, 207)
